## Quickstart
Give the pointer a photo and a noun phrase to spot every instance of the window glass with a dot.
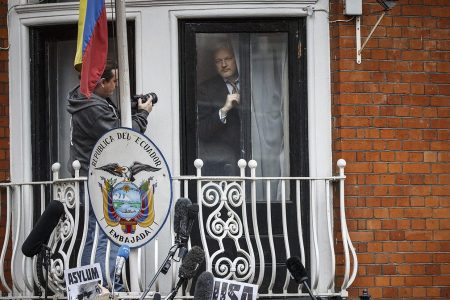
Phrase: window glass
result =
(242, 102)
(52, 77)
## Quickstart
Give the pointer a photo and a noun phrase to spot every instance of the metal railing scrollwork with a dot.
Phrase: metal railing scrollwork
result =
(248, 226)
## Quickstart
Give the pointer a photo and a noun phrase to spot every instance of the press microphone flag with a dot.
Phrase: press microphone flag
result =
(43, 228)
(204, 286)
(298, 272)
(122, 256)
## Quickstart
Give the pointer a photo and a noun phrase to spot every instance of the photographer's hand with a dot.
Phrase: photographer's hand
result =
(148, 105)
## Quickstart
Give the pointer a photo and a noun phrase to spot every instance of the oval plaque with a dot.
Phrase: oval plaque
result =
(129, 186)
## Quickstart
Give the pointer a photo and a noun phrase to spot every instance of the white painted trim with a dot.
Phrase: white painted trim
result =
(19, 116)
(138, 36)
(240, 11)
(319, 126)
(175, 90)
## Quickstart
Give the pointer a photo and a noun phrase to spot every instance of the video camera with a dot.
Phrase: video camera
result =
(145, 97)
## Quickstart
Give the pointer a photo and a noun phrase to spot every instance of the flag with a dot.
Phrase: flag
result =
(92, 44)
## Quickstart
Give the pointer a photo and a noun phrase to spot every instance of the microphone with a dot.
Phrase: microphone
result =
(180, 221)
(299, 273)
(43, 228)
(157, 296)
(193, 259)
(180, 213)
(122, 256)
(186, 224)
(204, 286)
(191, 262)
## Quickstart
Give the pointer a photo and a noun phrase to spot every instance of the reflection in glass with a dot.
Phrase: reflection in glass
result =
(260, 113)
(219, 106)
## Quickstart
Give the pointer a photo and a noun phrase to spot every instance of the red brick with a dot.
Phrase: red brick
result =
(418, 235)
(433, 292)
(442, 235)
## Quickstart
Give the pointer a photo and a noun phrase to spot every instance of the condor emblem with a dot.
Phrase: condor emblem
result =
(129, 187)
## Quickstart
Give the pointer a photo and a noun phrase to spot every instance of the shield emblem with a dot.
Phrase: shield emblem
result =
(126, 200)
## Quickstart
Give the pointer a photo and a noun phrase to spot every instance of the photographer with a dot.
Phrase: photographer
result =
(91, 118)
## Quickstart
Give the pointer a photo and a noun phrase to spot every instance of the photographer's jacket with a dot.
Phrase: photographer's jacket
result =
(91, 118)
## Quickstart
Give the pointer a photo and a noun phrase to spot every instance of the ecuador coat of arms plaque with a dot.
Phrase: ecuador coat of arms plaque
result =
(129, 187)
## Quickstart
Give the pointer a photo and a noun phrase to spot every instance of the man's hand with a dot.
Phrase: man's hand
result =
(148, 105)
(231, 101)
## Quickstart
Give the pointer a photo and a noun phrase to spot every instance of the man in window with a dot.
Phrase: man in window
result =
(219, 116)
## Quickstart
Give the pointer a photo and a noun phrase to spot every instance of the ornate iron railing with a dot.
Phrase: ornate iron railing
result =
(246, 228)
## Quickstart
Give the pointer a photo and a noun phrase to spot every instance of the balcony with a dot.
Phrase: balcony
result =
(265, 220)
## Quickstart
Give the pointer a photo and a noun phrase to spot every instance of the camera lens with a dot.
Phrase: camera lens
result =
(154, 97)
(135, 98)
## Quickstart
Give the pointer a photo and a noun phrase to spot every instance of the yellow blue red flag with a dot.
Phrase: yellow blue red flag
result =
(92, 44)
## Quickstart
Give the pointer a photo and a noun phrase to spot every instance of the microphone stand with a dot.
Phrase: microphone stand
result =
(171, 295)
(309, 290)
(45, 253)
(163, 268)
(180, 243)
(174, 291)
(111, 296)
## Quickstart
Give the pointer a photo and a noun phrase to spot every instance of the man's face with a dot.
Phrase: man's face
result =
(225, 63)
(109, 86)
(106, 88)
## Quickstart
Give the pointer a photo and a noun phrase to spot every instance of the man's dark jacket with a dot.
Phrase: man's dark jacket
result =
(219, 143)
(92, 118)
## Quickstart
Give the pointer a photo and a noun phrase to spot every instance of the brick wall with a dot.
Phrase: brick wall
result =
(391, 124)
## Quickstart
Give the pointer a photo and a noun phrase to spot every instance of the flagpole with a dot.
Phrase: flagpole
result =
(125, 108)
(122, 53)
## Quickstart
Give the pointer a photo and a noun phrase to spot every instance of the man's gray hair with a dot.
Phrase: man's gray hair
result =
(222, 45)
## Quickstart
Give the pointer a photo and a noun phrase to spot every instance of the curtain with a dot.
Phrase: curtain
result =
(269, 80)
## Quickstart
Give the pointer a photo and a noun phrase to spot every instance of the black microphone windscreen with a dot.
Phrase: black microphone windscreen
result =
(157, 296)
(43, 228)
(297, 270)
(181, 211)
(204, 286)
(193, 211)
(191, 262)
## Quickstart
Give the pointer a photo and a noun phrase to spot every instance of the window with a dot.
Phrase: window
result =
(267, 122)
(52, 50)
(263, 61)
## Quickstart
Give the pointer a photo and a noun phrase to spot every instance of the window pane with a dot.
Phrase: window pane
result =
(219, 119)
(242, 102)
(67, 80)
(52, 53)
